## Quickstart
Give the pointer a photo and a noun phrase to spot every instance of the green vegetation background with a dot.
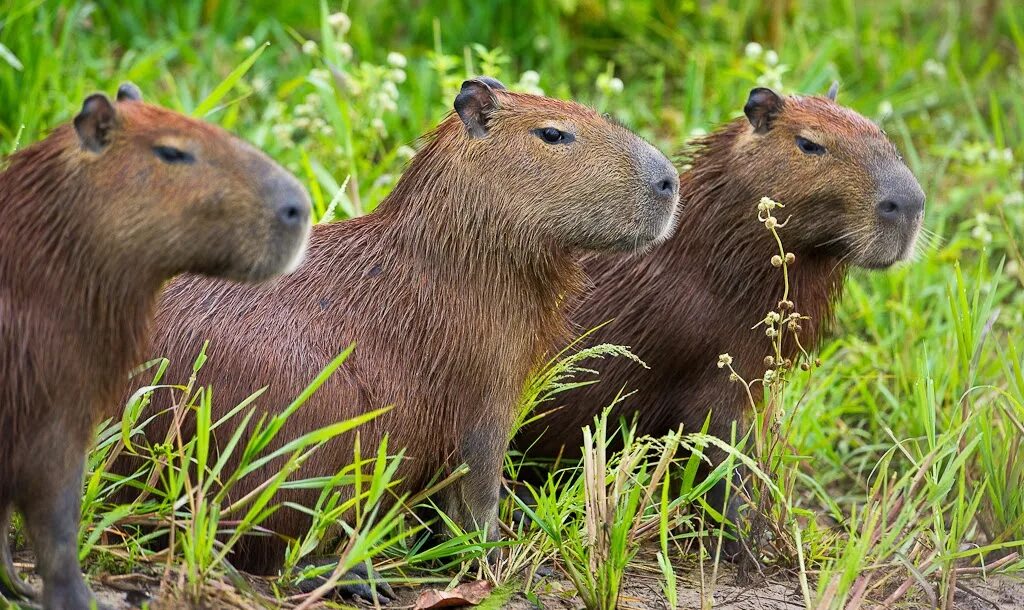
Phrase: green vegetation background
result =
(340, 93)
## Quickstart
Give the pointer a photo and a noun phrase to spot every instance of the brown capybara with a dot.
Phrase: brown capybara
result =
(850, 200)
(96, 218)
(450, 290)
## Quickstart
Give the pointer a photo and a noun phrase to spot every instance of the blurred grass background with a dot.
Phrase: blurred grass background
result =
(341, 91)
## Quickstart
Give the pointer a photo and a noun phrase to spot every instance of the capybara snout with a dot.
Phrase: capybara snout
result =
(249, 215)
(900, 212)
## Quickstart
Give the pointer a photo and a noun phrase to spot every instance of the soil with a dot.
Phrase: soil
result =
(641, 591)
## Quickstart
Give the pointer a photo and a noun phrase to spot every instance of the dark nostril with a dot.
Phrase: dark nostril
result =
(293, 214)
(889, 209)
(666, 187)
(898, 208)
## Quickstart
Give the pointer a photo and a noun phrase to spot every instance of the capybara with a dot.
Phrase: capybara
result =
(850, 200)
(96, 217)
(451, 291)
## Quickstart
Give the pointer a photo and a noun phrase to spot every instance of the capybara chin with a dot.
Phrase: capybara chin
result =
(849, 198)
(96, 218)
(450, 290)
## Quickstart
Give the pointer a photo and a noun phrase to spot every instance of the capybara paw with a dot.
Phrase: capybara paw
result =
(358, 582)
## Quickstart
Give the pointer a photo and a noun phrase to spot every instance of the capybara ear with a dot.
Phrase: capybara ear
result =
(128, 92)
(476, 102)
(833, 91)
(95, 122)
(762, 107)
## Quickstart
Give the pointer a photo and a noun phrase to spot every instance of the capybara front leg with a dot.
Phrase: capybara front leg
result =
(52, 508)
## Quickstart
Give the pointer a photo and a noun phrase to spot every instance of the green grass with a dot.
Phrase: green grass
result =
(901, 470)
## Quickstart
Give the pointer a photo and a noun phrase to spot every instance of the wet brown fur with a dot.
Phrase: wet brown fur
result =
(86, 241)
(451, 291)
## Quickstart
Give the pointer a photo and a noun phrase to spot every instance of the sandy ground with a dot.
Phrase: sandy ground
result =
(642, 590)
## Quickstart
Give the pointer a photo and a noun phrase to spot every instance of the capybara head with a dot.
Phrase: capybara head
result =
(584, 181)
(844, 184)
(193, 196)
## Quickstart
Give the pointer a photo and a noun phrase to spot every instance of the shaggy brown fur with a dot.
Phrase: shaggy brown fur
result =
(450, 291)
(93, 223)
(699, 294)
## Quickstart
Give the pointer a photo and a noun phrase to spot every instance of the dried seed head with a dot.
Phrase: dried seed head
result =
(804, 366)
(776, 261)
(769, 361)
(790, 258)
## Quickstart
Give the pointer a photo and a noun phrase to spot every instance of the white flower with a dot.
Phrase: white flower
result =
(397, 60)
(724, 360)
(246, 44)
(615, 85)
(885, 109)
(529, 78)
(753, 50)
(378, 125)
(339, 21)
(259, 83)
(771, 57)
(320, 76)
(397, 75)
(1014, 198)
(309, 47)
(344, 50)
(405, 152)
(934, 68)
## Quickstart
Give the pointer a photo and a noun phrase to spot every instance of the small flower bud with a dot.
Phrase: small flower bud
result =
(776, 261)
(769, 361)
(790, 258)
(734, 377)
(724, 360)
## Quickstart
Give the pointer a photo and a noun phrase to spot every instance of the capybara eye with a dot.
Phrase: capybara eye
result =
(170, 154)
(554, 136)
(809, 148)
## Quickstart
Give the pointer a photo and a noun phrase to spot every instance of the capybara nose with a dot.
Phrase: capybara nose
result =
(901, 207)
(667, 186)
(289, 200)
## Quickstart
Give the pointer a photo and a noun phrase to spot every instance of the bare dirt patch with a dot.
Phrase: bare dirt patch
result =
(642, 590)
